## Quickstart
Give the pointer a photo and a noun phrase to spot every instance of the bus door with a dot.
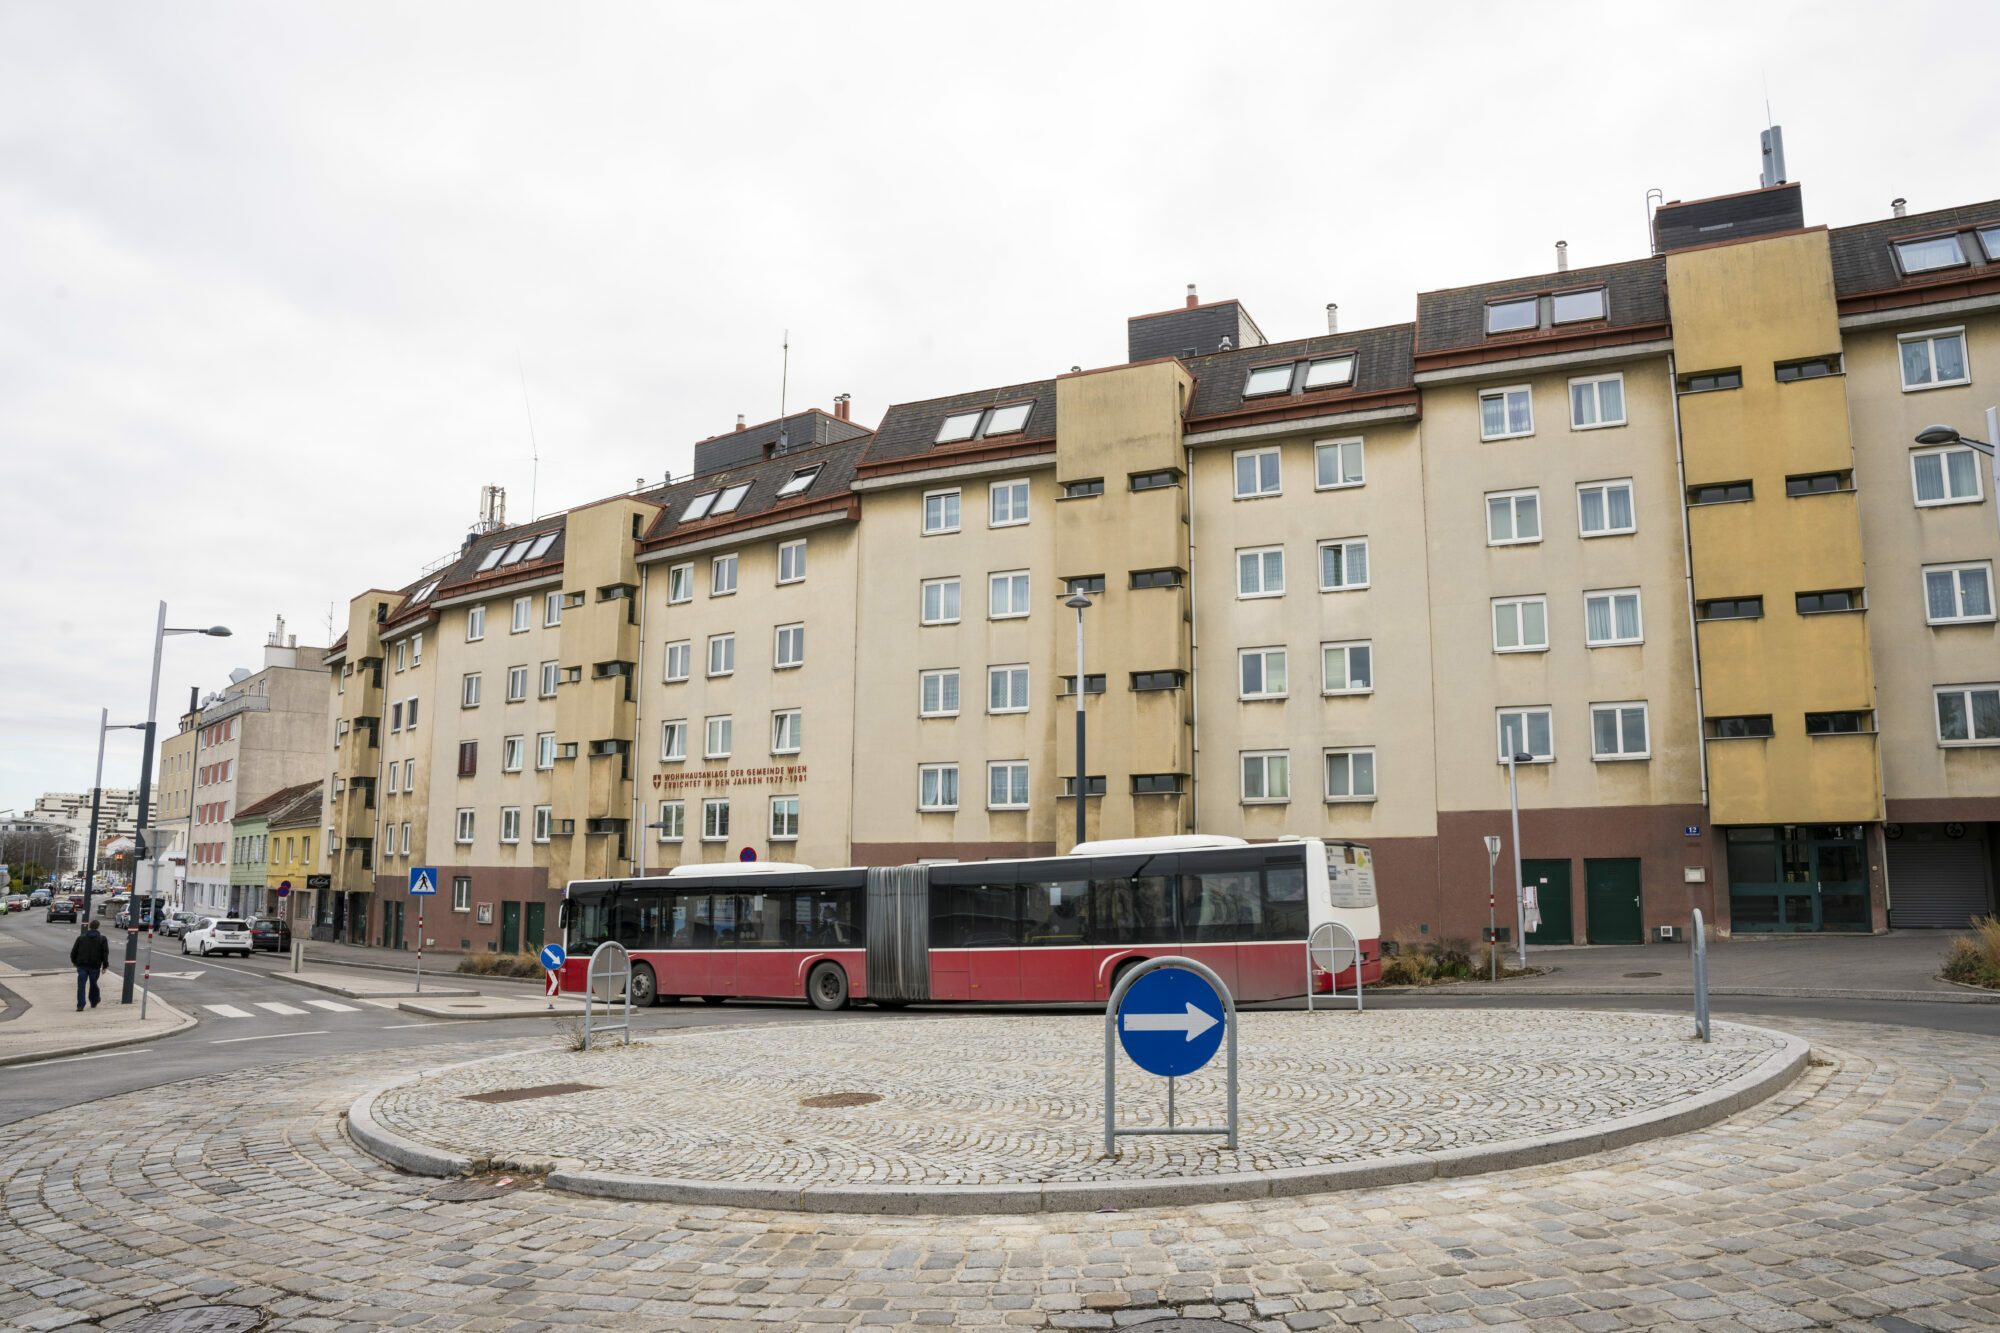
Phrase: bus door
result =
(1133, 914)
(725, 918)
(975, 937)
(765, 964)
(690, 936)
(1056, 957)
(1219, 908)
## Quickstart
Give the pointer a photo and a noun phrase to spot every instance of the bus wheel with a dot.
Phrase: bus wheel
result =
(645, 988)
(1118, 972)
(827, 987)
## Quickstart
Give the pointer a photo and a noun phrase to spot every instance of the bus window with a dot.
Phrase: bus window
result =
(762, 918)
(833, 919)
(692, 927)
(1284, 903)
(638, 915)
(1138, 909)
(1054, 912)
(724, 908)
(1219, 906)
(973, 916)
(1350, 878)
(591, 922)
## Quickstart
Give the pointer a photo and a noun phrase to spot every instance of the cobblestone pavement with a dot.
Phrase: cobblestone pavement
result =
(1861, 1198)
(1003, 1099)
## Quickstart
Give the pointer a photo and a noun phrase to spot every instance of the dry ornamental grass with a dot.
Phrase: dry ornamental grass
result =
(1975, 959)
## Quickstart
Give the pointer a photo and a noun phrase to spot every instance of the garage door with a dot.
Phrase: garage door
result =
(1937, 883)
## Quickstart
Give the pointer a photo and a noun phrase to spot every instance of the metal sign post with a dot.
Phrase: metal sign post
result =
(1323, 955)
(609, 973)
(423, 887)
(1171, 1030)
(553, 958)
(1698, 942)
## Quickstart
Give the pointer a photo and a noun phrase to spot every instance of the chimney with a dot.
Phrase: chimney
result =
(840, 407)
(194, 698)
(1773, 141)
(1333, 317)
(1225, 344)
(1562, 256)
(1899, 206)
(739, 422)
(1193, 300)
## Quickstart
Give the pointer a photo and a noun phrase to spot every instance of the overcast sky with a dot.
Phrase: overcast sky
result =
(271, 275)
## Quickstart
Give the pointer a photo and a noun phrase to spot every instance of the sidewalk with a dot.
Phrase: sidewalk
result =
(41, 1020)
(437, 963)
(377, 986)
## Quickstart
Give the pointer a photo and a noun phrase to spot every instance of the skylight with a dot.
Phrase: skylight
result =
(492, 559)
(1269, 379)
(516, 553)
(1989, 237)
(426, 590)
(958, 426)
(1330, 372)
(1573, 306)
(542, 545)
(1508, 316)
(1006, 420)
(801, 481)
(1929, 253)
(731, 497)
(698, 507)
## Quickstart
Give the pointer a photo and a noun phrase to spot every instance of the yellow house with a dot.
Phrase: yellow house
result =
(294, 853)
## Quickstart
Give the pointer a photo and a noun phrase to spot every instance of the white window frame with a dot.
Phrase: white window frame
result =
(517, 684)
(510, 823)
(466, 826)
(792, 562)
(721, 655)
(1518, 602)
(1263, 758)
(787, 730)
(715, 819)
(947, 434)
(469, 690)
(1339, 376)
(784, 819)
(1016, 516)
(545, 751)
(1263, 656)
(1956, 569)
(402, 653)
(680, 652)
(1618, 711)
(1262, 589)
(1009, 767)
(674, 741)
(1597, 401)
(680, 583)
(1524, 712)
(672, 825)
(724, 726)
(1965, 693)
(1613, 594)
(1012, 577)
(1337, 449)
(1533, 303)
(1010, 672)
(552, 609)
(1260, 490)
(524, 614)
(943, 526)
(1503, 394)
(416, 650)
(1929, 338)
(1352, 797)
(1514, 499)
(788, 647)
(1941, 453)
(722, 571)
(409, 775)
(939, 674)
(1958, 248)
(475, 624)
(461, 893)
(1606, 487)
(1603, 310)
(923, 602)
(1346, 648)
(545, 822)
(551, 678)
(939, 803)
(801, 481)
(513, 753)
(1347, 546)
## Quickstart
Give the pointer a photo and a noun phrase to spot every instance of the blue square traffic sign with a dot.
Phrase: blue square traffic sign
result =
(423, 880)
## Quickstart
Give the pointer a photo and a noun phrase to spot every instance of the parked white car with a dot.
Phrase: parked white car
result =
(218, 935)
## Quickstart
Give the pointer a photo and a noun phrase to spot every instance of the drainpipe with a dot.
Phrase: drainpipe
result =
(1194, 654)
(639, 802)
(1694, 631)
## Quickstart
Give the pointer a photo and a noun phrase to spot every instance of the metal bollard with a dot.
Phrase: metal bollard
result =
(298, 954)
(1698, 942)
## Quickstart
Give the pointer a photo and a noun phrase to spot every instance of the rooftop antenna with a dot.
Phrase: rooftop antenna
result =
(534, 449)
(784, 383)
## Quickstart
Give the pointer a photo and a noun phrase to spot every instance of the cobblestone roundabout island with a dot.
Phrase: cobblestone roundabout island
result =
(976, 1113)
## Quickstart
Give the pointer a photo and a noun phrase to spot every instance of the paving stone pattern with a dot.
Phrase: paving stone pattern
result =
(1862, 1198)
(1006, 1099)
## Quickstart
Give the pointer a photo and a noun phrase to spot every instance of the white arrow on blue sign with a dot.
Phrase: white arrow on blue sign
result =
(553, 957)
(1171, 1022)
(423, 880)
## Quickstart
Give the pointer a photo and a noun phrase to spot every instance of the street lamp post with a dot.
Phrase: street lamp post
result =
(96, 799)
(1520, 888)
(1080, 603)
(1991, 448)
(1492, 923)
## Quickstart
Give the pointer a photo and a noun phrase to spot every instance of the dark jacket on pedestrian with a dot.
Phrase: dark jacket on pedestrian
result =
(90, 950)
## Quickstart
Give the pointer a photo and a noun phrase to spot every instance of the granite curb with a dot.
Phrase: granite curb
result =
(333, 988)
(86, 1046)
(1772, 1074)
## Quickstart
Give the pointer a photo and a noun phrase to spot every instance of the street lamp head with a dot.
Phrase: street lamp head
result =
(1079, 601)
(1938, 435)
(217, 631)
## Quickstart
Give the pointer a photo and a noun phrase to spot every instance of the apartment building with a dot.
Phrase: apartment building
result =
(1658, 529)
(254, 862)
(292, 862)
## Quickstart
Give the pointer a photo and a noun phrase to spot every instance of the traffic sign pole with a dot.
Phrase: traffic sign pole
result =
(420, 945)
(423, 886)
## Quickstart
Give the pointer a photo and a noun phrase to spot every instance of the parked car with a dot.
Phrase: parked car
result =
(226, 934)
(62, 909)
(177, 924)
(271, 932)
(39, 898)
(18, 902)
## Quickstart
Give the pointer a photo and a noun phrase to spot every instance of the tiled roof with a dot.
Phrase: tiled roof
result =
(464, 574)
(302, 812)
(1381, 364)
(910, 430)
(802, 430)
(278, 799)
(1635, 295)
(766, 476)
(1863, 262)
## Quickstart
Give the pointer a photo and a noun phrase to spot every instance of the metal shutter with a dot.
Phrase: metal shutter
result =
(1937, 883)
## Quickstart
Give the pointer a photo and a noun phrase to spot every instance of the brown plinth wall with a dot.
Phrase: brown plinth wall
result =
(456, 932)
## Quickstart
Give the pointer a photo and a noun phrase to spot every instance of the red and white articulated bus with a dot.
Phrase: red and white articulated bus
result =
(1052, 929)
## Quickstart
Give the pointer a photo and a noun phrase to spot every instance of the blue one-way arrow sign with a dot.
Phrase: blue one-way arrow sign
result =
(423, 880)
(1171, 1022)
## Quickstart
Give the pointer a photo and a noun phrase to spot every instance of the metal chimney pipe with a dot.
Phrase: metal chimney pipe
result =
(1193, 300)
(1562, 256)
(1333, 317)
(1899, 206)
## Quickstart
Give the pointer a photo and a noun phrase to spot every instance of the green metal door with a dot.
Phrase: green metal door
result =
(1798, 877)
(1611, 901)
(1552, 892)
(535, 927)
(392, 925)
(510, 927)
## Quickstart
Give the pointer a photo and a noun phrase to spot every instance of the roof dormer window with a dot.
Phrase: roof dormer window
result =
(959, 426)
(542, 545)
(699, 506)
(1511, 316)
(1269, 379)
(1932, 252)
(1007, 420)
(1571, 307)
(1329, 372)
(801, 481)
(731, 497)
(516, 553)
(1989, 240)
(426, 590)
(492, 559)
(985, 422)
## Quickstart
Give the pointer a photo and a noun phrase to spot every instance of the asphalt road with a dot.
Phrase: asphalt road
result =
(256, 1035)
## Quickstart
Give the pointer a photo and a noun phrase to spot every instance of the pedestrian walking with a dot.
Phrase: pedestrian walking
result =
(90, 955)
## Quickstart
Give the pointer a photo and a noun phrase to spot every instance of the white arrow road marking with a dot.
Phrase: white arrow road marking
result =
(226, 1010)
(334, 1005)
(175, 976)
(278, 1007)
(1194, 1022)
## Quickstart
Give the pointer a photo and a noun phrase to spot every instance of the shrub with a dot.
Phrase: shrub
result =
(1975, 959)
(500, 964)
(1432, 962)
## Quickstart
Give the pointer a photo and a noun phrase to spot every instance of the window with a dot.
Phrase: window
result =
(1155, 481)
(1708, 381)
(719, 738)
(513, 753)
(517, 684)
(1819, 483)
(1989, 240)
(1611, 618)
(1007, 595)
(1084, 583)
(552, 609)
(784, 819)
(1347, 668)
(1505, 414)
(1520, 625)
(1256, 473)
(543, 543)
(545, 750)
(940, 512)
(410, 716)
(1729, 492)
(715, 821)
(1156, 784)
(1604, 509)
(673, 741)
(722, 576)
(786, 731)
(1810, 368)
(1350, 775)
(544, 822)
(1268, 379)
(469, 693)
(492, 558)
(1933, 359)
(475, 624)
(1156, 578)
(1730, 608)
(1329, 372)
(940, 602)
(468, 758)
(792, 561)
(1006, 504)
(1007, 420)
(1083, 490)
(680, 660)
(1337, 463)
(395, 771)
(1007, 786)
(1513, 518)
(523, 611)
(1261, 572)
(1529, 729)
(959, 426)
(1261, 673)
(1929, 253)
(406, 838)
(721, 654)
(937, 694)
(801, 482)
(566, 750)
(1945, 476)
(464, 826)
(1007, 689)
(1093, 683)
(516, 553)
(510, 823)
(699, 507)
(937, 787)
(1267, 777)
(1092, 786)
(680, 584)
(409, 775)
(402, 652)
(461, 893)
(1513, 315)
(673, 821)
(789, 648)
(1968, 715)
(1597, 402)
(1958, 593)
(1570, 307)
(1816, 603)
(731, 497)
(1840, 724)
(1618, 731)
(395, 717)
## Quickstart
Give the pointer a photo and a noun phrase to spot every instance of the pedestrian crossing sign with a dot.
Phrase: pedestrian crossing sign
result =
(423, 880)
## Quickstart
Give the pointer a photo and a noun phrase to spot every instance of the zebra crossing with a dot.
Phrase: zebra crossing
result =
(281, 1008)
